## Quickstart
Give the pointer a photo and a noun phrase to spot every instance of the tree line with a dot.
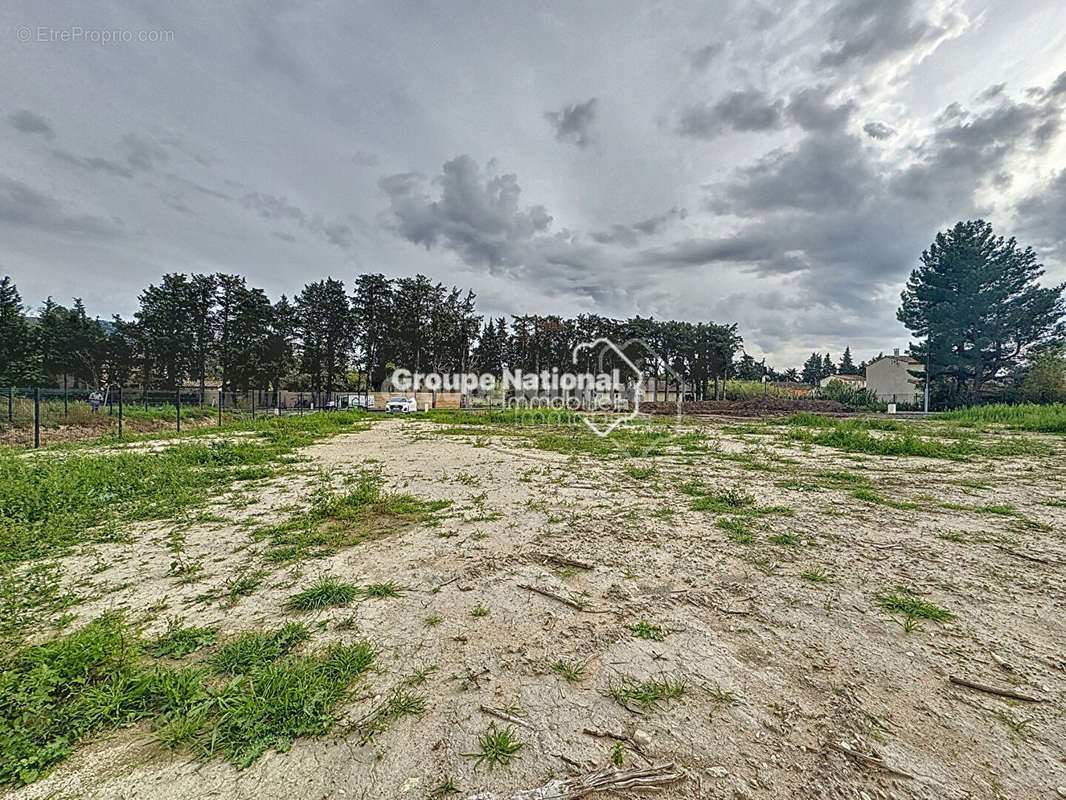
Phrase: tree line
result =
(215, 329)
(984, 323)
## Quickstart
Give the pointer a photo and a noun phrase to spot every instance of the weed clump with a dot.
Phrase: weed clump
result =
(178, 642)
(327, 591)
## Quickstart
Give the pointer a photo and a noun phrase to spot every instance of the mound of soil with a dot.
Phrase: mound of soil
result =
(748, 406)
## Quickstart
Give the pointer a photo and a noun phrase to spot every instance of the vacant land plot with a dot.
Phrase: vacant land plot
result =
(335, 606)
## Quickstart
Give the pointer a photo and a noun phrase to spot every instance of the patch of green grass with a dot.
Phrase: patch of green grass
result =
(739, 529)
(178, 641)
(343, 520)
(278, 702)
(568, 671)
(640, 472)
(853, 436)
(58, 694)
(327, 591)
(255, 649)
(733, 500)
(479, 611)
(815, 575)
(445, 788)
(784, 539)
(400, 702)
(647, 695)
(383, 590)
(618, 754)
(497, 748)
(645, 630)
(1026, 417)
(28, 597)
(66, 496)
(721, 697)
(243, 583)
(870, 496)
(904, 601)
(838, 478)
(432, 621)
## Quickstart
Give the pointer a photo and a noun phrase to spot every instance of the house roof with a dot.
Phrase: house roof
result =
(904, 359)
(846, 378)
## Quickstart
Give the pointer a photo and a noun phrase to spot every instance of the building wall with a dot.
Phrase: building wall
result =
(890, 380)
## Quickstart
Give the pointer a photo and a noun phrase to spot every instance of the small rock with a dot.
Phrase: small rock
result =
(1061, 791)
(717, 772)
(641, 738)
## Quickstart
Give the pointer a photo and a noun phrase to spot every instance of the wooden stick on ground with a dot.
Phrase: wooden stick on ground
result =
(618, 737)
(865, 759)
(604, 780)
(1019, 554)
(500, 714)
(553, 596)
(981, 687)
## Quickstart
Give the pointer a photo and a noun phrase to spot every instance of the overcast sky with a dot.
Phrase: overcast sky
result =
(780, 164)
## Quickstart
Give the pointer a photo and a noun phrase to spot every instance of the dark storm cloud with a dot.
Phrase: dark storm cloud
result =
(829, 209)
(966, 147)
(135, 153)
(1058, 87)
(812, 110)
(700, 59)
(1042, 215)
(93, 164)
(823, 173)
(22, 205)
(574, 123)
(26, 121)
(142, 153)
(479, 217)
(878, 130)
(992, 92)
(271, 207)
(629, 234)
(742, 110)
(865, 32)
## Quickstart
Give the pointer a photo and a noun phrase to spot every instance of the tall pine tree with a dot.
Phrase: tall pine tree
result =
(976, 301)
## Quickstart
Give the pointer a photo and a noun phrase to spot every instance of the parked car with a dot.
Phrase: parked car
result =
(401, 405)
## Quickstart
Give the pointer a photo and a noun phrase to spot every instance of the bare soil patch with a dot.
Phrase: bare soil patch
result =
(744, 570)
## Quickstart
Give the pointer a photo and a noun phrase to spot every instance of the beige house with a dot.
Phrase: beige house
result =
(889, 378)
(854, 381)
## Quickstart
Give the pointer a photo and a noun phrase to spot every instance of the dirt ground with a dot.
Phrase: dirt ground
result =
(797, 683)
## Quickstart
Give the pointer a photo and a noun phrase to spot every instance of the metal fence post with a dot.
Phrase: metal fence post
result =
(221, 397)
(253, 403)
(65, 405)
(177, 406)
(119, 412)
(36, 417)
(10, 398)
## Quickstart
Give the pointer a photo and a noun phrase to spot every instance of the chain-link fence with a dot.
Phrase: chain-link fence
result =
(35, 416)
